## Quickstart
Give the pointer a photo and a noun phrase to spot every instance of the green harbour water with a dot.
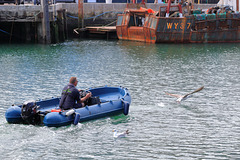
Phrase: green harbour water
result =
(205, 126)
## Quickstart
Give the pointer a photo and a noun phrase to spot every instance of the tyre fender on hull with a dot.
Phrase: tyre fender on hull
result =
(125, 107)
(13, 115)
(76, 119)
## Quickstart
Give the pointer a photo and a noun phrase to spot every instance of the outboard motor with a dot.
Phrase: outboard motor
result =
(29, 112)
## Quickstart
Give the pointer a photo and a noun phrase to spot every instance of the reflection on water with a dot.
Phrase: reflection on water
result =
(202, 127)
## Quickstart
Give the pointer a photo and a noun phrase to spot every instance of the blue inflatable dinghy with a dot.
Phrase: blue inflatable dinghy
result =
(105, 101)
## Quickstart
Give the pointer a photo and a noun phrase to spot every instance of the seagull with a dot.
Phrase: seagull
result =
(184, 97)
(119, 135)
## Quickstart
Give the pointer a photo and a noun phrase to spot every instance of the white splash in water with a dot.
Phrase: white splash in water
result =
(161, 104)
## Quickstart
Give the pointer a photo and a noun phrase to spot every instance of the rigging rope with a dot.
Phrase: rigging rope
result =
(4, 32)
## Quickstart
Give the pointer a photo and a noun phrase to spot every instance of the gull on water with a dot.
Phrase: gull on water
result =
(119, 135)
(181, 98)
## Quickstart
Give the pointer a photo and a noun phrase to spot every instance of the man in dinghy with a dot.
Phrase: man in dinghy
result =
(71, 95)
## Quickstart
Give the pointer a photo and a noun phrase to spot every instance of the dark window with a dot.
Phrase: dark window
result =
(119, 22)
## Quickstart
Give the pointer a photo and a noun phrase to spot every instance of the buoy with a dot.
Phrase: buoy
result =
(125, 108)
(76, 119)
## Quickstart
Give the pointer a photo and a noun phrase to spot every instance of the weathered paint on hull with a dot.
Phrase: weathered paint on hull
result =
(138, 34)
(168, 37)
(217, 36)
(174, 30)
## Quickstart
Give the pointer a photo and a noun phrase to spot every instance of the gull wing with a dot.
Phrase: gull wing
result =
(174, 95)
(197, 90)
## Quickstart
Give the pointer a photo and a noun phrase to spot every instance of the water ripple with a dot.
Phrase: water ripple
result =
(205, 126)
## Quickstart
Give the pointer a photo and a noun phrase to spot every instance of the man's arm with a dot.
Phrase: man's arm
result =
(85, 98)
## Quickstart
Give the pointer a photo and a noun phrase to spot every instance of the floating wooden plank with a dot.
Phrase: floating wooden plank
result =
(101, 30)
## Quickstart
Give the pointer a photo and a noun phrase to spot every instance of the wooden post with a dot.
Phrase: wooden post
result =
(45, 22)
(65, 24)
(237, 9)
(28, 32)
(80, 13)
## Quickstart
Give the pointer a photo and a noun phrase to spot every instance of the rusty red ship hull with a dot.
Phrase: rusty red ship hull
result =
(199, 28)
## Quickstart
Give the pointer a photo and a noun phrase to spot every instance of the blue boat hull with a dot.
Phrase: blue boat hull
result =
(114, 101)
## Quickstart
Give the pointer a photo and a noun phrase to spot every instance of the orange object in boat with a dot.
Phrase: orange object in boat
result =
(56, 110)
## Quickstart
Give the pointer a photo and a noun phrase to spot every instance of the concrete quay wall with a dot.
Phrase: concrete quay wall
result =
(24, 22)
(94, 9)
(102, 10)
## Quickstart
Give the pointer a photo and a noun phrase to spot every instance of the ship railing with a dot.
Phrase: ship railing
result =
(215, 22)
